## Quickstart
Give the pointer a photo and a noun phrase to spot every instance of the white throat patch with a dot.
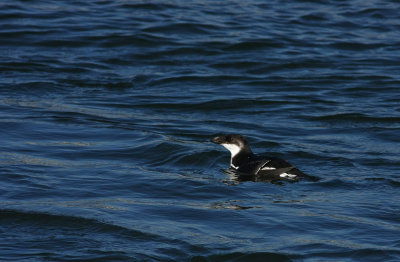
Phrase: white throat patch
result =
(234, 149)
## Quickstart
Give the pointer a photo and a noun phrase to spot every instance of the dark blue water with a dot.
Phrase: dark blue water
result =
(107, 107)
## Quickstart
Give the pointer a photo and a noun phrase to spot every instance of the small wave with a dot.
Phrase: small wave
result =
(52, 233)
(356, 46)
(215, 104)
(243, 257)
(144, 40)
(255, 45)
(147, 6)
(336, 183)
(182, 28)
(61, 222)
(383, 180)
(356, 118)
(374, 13)
(194, 79)
(317, 17)
(164, 55)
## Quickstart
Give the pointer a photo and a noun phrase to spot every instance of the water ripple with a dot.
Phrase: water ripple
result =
(108, 107)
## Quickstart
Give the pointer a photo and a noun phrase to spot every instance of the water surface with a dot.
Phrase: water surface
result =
(107, 108)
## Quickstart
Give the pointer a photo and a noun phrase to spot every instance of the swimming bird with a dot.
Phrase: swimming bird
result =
(252, 167)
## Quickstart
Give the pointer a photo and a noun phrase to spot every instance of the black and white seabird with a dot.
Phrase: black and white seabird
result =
(247, 164)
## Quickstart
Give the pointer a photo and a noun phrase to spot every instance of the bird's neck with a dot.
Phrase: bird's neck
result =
(241, 157)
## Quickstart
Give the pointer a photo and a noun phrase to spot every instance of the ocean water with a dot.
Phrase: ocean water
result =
(107, 109)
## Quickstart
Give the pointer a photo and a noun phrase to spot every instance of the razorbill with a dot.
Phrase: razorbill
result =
(252, 167)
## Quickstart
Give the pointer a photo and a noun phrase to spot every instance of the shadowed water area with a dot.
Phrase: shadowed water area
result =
(107, 109)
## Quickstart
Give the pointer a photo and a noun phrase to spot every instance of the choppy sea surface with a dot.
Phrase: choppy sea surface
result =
(107, 109)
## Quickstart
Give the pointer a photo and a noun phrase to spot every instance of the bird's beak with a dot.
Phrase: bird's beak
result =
(217, 140)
